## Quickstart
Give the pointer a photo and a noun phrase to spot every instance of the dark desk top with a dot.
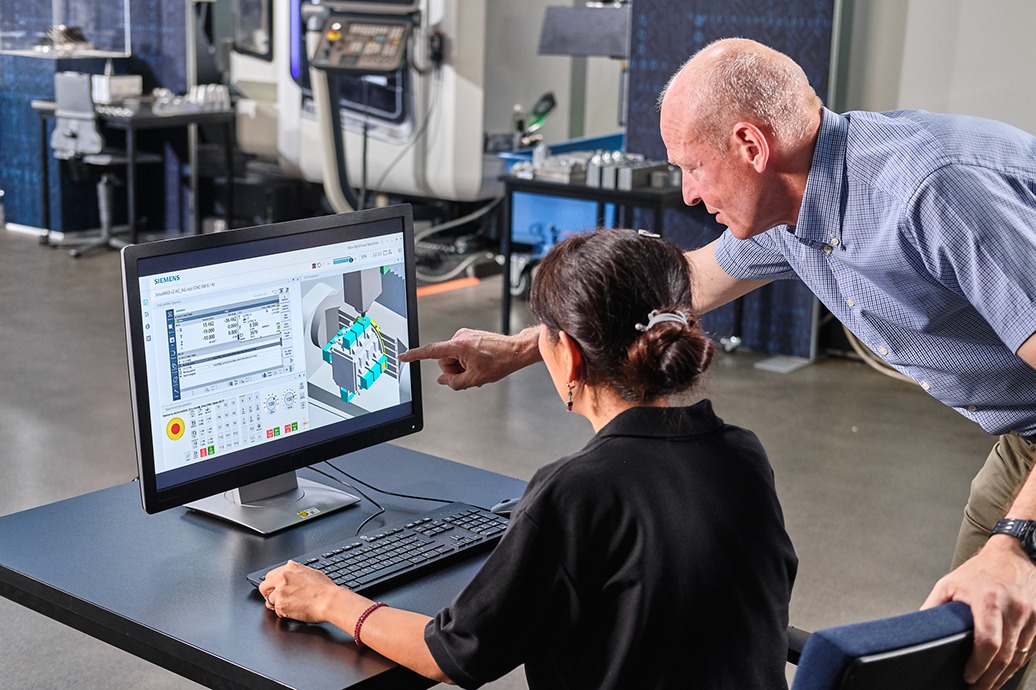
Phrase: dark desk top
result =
(171, 587)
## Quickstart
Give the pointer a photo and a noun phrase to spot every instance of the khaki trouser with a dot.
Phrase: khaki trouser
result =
(992, 492)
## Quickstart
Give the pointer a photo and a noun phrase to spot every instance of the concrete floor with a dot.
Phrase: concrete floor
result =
(872, 472)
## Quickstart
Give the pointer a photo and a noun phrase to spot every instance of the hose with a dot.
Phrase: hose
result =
(428, 232)
(453, 273)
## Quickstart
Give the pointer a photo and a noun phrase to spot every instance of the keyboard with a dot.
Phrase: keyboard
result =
(388, 556)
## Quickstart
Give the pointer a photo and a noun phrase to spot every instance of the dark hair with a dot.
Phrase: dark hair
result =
(598, 286)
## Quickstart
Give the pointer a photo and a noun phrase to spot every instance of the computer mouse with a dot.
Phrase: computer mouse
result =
(505, 507)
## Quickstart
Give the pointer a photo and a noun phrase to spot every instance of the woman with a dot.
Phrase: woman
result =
(654, 557)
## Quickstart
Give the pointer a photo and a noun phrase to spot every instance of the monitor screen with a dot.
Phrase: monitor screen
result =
(256, 352)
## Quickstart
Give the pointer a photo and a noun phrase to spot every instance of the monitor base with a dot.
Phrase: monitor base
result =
(300, 504)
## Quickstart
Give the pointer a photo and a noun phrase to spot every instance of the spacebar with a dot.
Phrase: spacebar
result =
(371, 577)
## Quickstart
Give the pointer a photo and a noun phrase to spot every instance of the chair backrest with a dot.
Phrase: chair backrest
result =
(75, 128)
(924, 650)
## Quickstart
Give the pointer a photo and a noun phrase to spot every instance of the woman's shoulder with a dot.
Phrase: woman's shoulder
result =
(618, 455)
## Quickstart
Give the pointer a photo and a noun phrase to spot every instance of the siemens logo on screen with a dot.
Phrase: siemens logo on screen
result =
(166, 279)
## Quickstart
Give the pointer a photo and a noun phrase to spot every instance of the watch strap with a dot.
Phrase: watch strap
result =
(1022, 530)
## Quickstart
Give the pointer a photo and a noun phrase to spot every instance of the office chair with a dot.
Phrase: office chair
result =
(923, 650)
(77, 139)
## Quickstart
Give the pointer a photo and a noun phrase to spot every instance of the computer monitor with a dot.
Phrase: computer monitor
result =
(255, 352)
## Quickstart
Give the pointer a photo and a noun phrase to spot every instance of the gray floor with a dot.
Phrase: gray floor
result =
(872, 472)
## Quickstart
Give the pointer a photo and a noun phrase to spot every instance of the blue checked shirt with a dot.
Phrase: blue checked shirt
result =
(918, 232)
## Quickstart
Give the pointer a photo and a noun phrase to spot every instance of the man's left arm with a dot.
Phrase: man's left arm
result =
(999, 583)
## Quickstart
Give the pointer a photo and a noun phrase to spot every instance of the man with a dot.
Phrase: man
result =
(918, 232)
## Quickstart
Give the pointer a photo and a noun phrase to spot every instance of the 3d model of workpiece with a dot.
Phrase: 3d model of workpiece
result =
(357, 357)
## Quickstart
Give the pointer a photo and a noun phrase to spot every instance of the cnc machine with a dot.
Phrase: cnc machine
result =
(409, 97)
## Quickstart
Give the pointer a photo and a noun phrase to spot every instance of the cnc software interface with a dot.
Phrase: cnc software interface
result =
(246, 352)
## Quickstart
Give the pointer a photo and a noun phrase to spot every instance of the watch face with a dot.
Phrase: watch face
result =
(1022, 530)
(1028, 538)
(1025, 531)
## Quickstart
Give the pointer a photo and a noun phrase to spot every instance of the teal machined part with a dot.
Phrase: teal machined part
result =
(355, 344)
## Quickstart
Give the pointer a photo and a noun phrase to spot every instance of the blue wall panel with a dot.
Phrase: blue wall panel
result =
(666, 33)
(21, 81)
(158, 34)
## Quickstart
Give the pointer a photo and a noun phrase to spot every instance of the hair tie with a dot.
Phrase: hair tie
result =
(656, 317)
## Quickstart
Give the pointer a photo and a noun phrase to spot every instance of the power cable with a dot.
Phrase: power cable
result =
(383, 491)
(432, 103)
(380, 508)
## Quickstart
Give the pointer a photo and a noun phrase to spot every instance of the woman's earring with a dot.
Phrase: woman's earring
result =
(570, 386)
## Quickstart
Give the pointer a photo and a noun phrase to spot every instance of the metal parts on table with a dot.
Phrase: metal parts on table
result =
(603, 169)
(204, 98)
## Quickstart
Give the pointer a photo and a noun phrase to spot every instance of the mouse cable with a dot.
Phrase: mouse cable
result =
(380, 508)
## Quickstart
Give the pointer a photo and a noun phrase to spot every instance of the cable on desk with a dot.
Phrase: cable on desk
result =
(380, 508)
(389, 493)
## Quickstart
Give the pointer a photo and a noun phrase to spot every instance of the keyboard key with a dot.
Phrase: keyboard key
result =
(370, 577)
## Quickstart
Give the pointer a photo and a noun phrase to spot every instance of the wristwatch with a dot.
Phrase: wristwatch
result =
(1022, 530)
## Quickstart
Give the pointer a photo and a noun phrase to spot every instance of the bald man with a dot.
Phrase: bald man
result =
(918, 232)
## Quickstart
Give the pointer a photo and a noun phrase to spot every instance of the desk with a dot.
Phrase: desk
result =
(656, 200)
(171, 589)
(143, 119)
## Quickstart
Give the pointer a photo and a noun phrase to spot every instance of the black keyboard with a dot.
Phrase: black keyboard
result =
(404, 550)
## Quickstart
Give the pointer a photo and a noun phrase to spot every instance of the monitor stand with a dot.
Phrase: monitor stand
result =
(275, 504)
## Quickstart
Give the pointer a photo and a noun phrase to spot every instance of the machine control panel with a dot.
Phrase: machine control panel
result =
(364, 46)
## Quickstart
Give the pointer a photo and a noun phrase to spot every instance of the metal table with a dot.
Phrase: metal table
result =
(143, 119)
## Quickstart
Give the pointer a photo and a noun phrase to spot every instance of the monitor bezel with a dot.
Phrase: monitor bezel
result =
(155, 499)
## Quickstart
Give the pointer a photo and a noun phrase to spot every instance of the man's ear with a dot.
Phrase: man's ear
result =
(752, 145)
(571, 357)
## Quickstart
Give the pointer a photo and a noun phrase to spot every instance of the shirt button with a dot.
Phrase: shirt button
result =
(883, 351)
(972, 408)
(925, 385)
(850, 302)
(835, 242)
(827, 249)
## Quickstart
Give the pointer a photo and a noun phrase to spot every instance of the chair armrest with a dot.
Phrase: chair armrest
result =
(796, 641)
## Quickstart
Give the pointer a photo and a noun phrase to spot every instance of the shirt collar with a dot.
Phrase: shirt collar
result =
(825, 184)
(662, 422)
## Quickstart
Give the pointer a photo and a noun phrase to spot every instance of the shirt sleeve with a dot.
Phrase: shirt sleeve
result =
(489, 628)
(757, 258)
(975, 229)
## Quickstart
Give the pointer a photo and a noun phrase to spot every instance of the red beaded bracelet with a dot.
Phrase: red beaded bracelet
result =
(363, 616)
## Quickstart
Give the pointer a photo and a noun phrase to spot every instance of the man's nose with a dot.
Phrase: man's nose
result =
(690, 194)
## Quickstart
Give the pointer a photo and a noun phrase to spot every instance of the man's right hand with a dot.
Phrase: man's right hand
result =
(472, 358)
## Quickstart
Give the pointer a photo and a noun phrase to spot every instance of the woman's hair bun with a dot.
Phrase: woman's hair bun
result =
(667, 358)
